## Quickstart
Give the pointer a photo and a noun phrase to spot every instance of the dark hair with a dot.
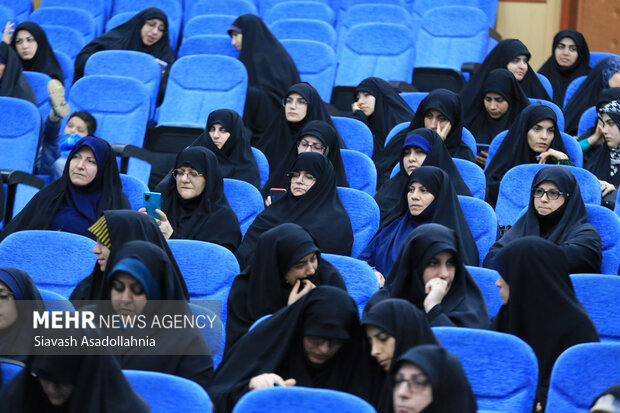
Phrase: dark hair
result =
(91, 122)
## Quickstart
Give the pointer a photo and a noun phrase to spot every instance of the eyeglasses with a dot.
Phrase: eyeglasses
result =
(290, 101)
(180, 173)
(316, 147)
(305, 179)
(6, 295)
(552, 194)
(414, 385)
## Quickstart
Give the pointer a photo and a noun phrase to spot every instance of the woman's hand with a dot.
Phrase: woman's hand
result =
(606, 188)
(597, 138)
(436, 289)
(163, 223)
(8, 32)
(269, 380)
(443, 132)
(552, 154)
(354, 107)
(481, 158)
(295, 295)
(380, 278)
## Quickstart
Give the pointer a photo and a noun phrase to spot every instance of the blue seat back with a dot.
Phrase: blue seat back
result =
(297, 399)
(134, 189)
(608, 225)
(502, 369)
(9, 368)
(216, 44)
(599, 293)
(468, 138)
(39, 82)
(55, 301)
(121, 109)
(23, 195)
(64, 39)
(556, 109)
(587, 119)
(6, 15)
(304, 29)
(546, 85)
(165, 393)
(263, 165)
(66, 64)
(413, 99)
(395, 130)
(344, 5)
(20, 8)
(316, 63)
(572, 88)
(515, 189)
(489, 7)
(473, 177)
(451, 36)
(245, 200)
(78, 19)
(118, 19)
(200, 84)
(260, 320)
(97, 9)
(596, 57)
(360, 170)
(19, 134)
(358, 276)
(214, 333)
(172, 8)
(374, 13)
(355, 134)
(208, 24)
(580, 374)
(388, 53)
(364, 215)
(55, 260)
(486, 278)
(482, 223)
(232, 7)
(264, 6)
(314, 10)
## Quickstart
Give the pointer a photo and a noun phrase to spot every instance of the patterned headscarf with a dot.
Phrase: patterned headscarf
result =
(613, 110)
(611, 68)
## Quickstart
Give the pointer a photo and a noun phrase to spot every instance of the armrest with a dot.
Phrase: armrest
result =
(470, 67)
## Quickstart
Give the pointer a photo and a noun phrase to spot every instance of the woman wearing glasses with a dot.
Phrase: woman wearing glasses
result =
(557, 213)
(194, 204)
(311, 201)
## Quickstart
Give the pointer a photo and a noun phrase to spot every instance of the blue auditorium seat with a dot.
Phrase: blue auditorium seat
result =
(134, 189)
(260, 320)
(384, 50)
(78, 19)
(599, 293)
(232, 7)
(451, 36)
(9, 368)
(364, 215)
(97, 8)
(608, 225)
(314, 10)
(413, 99)
(214, 333)
(360, 170)
(374, 13)
(23, 195)
(395, 130)
(587, 119)
(66, 64)
(216, 44)
(208, 24)
(515, 189)
(118, 19)
(358, 276)
(558, 112)
(19, 134)
(473, 177)
(572, 88)
(596, 57)
(468, 138)
(502, 369)
(39, 82)
(316, 63)
(172, 8)
(200, 84)
(20, 8)
(304, 29)
(64, 39)
(6, 15)
(263, 165)
(580, 374)
(482, 223)
(344, 5)
(297, 399)
(546, 84)
(490, 9)
(165, 393)
(486, 278)
(55, 302)
(245, 200)
(55, 260)
(121, 108)
(355, 134)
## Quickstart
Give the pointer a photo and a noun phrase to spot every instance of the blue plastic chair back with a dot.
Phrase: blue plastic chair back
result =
(263, 165)
(213, 334)
(490, 9)
(360, 170)
(66, 64)
(468, 138)
(388, 53)
(608, 225)
(23, 195)
(64, 39)
(596, 57)
(599, 293)
(355, 134)
(572, 88)
(486, 278)
(587, 119)
(297, 399)
(344, 5)
(9, 368)
(134, 189)
(55, 302)
(232, 7)
(121, 108)
(580, 374)
(358, 276)
(451, 36)
(316, 63)
(558, 112)
(260, 320)
(502, 369)
(264, 6)
(300, 10)
(208, 24)
(118, 19)
(374, 13)
(200, 84)
(215, 44)
(6, 15)
(172, 8)
(546, 85)
(245, 200)
(304, 29)
(19, 134)
(516, 185)
(97, 8)
(20, 9)
(78, 19)
(364, 215)
(482, 223)
(39, 82)
(165, 393)
(55, 260)
(413, 99)
(473, 177)
(395, 130)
